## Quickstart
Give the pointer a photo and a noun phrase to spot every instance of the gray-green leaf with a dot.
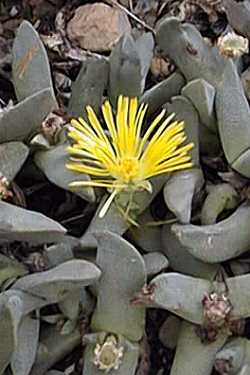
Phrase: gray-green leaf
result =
(25, 119)
(30, 68)
(12, 157)
(56, 284)
(27, 341)
(52, 163)
(19, 224)
(123, 274)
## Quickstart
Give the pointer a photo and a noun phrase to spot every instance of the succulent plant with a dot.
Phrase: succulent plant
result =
(64, 290)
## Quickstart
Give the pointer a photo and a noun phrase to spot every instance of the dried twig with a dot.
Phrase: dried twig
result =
(130, 14)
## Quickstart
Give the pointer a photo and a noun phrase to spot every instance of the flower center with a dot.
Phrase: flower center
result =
(128, 169)
(108, 356)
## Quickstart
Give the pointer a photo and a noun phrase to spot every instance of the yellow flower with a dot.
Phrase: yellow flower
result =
(123, 159)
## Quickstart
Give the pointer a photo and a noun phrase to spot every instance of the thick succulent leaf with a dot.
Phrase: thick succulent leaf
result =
(54, 347)
(233, 117)
(239, 295)
(192, 356)
(173, 291)
(220, 198)
(185, 111)
(128, 362)
(218, 242)
(71, 304)
(30, 68)
(155, 263)
(183, 43)
(241, 165)
(114, 221)
(89, 87)
(125, 70)
(123, 274)
(145, 48)
(40, 142)
(179, 191)
(19, 224)
(60, 176)
(202, 95)
(29, 302)
(21, 121)
(10, 268)
(11, 311)
(59, 253)
(27, 342)
(163, 91)
(7, 345)
(54, 285)
(181, 186)
(12, 157)
(245, 82)
(69, 326)
(238, 16)
(181, 260)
